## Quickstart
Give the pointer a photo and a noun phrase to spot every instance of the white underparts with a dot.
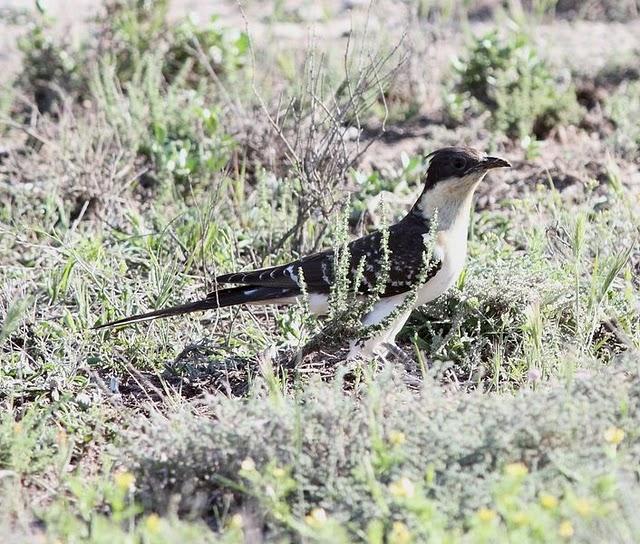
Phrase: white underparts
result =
(318, 302)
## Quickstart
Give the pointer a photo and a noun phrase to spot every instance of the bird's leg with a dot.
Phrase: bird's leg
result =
(398, 354)
(368, 347)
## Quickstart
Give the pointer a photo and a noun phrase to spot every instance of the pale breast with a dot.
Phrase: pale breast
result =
(451, 249)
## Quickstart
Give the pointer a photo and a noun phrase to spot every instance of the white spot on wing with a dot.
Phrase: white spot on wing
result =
(325, 272)
(292, 274)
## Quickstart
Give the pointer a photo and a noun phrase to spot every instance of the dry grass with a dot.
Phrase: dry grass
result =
(190, 151)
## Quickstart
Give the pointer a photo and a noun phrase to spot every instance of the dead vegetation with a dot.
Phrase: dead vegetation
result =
(155, 153)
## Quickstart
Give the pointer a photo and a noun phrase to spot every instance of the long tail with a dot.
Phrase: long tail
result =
(223, 298)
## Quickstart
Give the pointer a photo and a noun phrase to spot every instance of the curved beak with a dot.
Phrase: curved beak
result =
(494, 162)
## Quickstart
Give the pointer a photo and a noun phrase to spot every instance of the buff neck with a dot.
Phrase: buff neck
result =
(450, 199)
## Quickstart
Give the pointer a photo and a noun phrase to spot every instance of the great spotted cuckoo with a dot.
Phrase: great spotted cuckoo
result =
(441, 214)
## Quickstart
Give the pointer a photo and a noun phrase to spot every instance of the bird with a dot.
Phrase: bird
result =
(440, 214)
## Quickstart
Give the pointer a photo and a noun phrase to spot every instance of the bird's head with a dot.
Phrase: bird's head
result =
(452, 176)
(459, 168)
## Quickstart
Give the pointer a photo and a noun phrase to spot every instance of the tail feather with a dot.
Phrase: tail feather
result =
(218, 299)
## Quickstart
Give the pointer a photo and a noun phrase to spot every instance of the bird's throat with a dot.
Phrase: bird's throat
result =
(448, 203)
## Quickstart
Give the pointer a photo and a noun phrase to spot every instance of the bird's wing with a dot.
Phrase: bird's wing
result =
(406, 249)
(281, 284)
(317, 270)
(406, 246)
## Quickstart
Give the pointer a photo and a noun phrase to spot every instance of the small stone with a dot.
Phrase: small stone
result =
(83, 400)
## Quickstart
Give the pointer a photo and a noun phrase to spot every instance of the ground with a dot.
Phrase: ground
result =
(146, 148)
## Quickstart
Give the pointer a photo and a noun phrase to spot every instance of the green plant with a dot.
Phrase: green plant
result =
(373, 185)
(27, 444)
(128, 33)
(209, 51)
(106, 509)
(506, 76)
(612, 10)
(177, 128)
(623, 107)
(52, 66)
(436, 463)
(128, 30)
(133, 29)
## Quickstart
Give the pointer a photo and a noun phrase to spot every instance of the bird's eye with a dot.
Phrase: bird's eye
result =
(459, 163)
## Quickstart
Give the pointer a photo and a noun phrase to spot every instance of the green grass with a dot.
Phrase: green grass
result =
(513, 418)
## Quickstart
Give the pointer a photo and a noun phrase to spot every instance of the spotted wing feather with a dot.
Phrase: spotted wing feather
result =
(406, 249)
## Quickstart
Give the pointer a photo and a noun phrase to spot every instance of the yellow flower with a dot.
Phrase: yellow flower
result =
(316, 517)
(152, 523)
(548, 501)
(61, 437)
(124, 480)
(399, 534)
(566, 529)
(614, 435)
(486, 515)
(516, 470)
(583, 507)
(279, 472)
(397, 438)
(235, 521)
(520, 518)
(248, 465)
(402, 488)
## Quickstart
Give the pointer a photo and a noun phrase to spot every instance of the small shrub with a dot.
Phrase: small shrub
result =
(129, 32)
(505, 76)
(210, 47)
(106, 510)
(623, 107)
(610, 10)
(50, 66)
(131, 29)
(484, 331)
(176, 128)
(128, 29)
(431, 461)
(27, 444)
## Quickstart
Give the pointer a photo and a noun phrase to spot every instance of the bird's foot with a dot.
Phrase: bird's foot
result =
(363, 348)
(388, 352)
(394, 352)
(385, 349)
